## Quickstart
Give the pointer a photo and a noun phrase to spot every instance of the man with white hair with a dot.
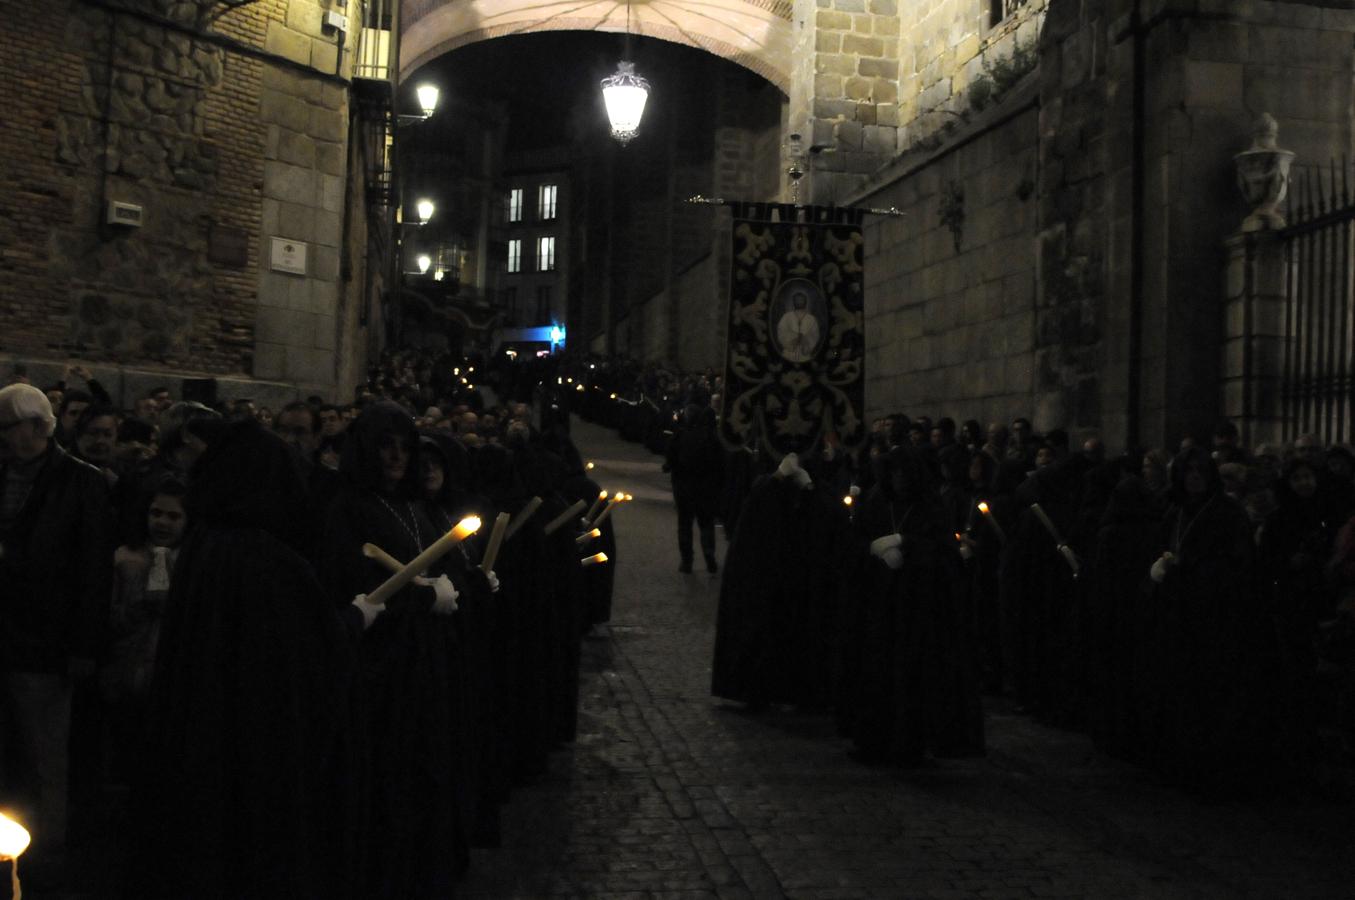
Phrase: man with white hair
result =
(56, 553)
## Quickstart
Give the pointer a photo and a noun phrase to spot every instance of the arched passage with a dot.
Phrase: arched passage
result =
(755, 34)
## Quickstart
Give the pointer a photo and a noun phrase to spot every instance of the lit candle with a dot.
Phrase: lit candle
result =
(495, 541)
(588, 536)
(593, 560)
(847, 500)
(559, 521)
(420, 564)
(992, 520)
(593, 510)
(14, 840)
(521, 519)
(589, 467)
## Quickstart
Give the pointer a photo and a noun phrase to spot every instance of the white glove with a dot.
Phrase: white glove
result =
(1159, 570)
(789, 463)
(966, 551)
(801, 477)
(493, 581)
(893, 557)
(444, 603)
(855, 491)
(887, 542)
(369, 610)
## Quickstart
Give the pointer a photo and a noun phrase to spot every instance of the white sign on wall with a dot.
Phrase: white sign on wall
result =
(289, 256)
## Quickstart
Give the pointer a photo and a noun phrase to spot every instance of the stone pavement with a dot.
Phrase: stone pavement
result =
(669, 792)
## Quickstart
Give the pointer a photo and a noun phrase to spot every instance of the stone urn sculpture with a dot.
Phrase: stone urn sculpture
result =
(1263, 176)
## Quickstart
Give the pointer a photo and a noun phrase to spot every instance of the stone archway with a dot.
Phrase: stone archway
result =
(755, 34)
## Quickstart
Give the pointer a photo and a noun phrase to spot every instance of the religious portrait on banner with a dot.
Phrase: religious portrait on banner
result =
(794, 369)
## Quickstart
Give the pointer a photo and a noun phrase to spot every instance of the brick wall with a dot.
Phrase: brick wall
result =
(144, 109)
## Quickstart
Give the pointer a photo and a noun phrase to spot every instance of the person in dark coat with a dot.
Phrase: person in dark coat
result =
(695, 460)
(1213, 636)
(421, 840)
(56, 553)
(1120, 645)
(773, 627)
(911, 687)
(244, 781)
(1296, 543)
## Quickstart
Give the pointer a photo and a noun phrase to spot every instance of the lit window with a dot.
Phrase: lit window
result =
(515, 256)
(545, 200)
(545, 254)
(514, 201)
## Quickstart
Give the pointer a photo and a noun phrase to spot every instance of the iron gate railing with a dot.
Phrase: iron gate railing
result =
(1319, 363)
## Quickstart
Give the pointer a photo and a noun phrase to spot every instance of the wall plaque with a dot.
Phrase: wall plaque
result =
(289, 256)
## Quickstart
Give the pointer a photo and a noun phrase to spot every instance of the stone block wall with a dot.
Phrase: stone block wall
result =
(227, 128)
(946, 47)
(950, 284)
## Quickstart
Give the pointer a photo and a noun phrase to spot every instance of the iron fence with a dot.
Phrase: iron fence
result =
(1319, 328)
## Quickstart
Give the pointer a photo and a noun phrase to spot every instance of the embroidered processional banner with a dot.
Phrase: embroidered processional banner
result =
(795, 363)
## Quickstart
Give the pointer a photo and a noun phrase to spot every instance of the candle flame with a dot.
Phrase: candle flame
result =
(594, 559)
(590, 466)
(14, 838)
(983, 508)
(467, 526)
(958, 536)
(613, 396)
(847, 499)
(578, 387)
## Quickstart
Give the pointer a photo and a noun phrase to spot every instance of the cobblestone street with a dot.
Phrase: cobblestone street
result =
(672, 793)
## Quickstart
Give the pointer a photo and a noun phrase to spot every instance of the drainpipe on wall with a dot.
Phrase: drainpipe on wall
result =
(1133, 429)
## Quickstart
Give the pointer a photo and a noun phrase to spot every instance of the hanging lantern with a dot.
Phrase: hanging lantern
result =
(428, 99)
(625, 94)
(425, 209)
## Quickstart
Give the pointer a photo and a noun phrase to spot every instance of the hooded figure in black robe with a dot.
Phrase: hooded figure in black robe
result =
(773, 629)
(1048, 595)
(416, 704)
(911, 685)
(1215, 643)
(1296, 543)
(248, 751)
(1118, 601)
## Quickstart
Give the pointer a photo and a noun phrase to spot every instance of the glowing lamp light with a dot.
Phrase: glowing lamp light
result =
(425, 209)
(625, 94)
(428, 98)
(423, 262)
(557, 334)
(439, 274)
(14, 838)
(570, 380)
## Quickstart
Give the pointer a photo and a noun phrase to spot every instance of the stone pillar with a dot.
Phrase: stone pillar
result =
(844, 92)
(1254, 341)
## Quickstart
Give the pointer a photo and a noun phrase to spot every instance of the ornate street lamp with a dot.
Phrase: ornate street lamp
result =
(625, 93)
(424, 208)
(428, 99)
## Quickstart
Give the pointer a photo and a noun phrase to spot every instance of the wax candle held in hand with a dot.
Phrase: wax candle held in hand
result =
(495, 541)
(568, 515)
(593, 560)
(421, 563)
(521, 519)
